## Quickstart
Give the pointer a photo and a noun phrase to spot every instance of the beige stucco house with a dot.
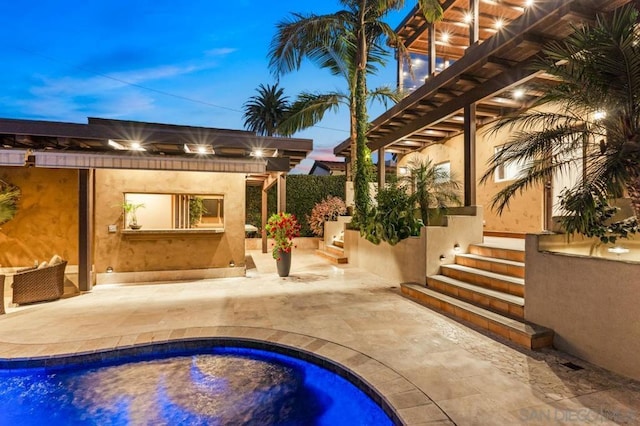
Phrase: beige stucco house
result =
(75, 178)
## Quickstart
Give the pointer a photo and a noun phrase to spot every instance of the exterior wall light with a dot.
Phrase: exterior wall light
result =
(618, 250)
(232, 264)
(442, 257)
(456, 248)
(109, 269)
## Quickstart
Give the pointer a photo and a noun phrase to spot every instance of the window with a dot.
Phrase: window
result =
(443, 172)
(507, 171)
(175, 211)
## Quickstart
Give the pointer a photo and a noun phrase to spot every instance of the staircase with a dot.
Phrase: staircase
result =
(484, 287)
(333, 252)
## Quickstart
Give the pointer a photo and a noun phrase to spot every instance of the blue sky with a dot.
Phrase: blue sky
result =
(193, 62)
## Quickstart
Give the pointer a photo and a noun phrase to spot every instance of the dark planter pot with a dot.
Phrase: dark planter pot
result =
(284, 264)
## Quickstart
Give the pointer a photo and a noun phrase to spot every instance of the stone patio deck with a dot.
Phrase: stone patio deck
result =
(430, 368)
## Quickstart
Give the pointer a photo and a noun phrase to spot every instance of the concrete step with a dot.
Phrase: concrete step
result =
(497, 301)
(338, 251)
(491, 264)
(333, 258)
(522, 333)
(338, 243)
(499, 282)
(492, 250)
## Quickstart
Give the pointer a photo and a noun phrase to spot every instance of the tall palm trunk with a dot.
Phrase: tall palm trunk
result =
(360, 177)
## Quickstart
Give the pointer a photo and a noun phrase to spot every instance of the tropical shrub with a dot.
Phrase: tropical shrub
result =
(431, 188)
(328, 209)
(9, 196)
(592, 216)
(393, 219)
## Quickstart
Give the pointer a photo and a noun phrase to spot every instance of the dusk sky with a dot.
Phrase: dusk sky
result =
(194, 62)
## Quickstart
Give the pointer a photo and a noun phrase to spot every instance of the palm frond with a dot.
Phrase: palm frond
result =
(309, 109)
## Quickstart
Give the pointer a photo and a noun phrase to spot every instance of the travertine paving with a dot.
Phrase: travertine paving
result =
(432, 369)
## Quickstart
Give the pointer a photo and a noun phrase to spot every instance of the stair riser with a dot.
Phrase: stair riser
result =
(488, 265)
(483, 281)
(338, 243)
(515, 255)
(478, 299)
(536, 342)
(335, 250)
(332, 258)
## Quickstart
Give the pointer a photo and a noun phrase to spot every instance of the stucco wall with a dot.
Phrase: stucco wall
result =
(47, 219)
(591, 304)
(162, 252)
(525, 211)
(404, 262)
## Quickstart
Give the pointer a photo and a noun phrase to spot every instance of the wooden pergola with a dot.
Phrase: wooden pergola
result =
(477, 68)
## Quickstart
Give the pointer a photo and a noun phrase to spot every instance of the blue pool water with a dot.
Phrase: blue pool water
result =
(222, 386)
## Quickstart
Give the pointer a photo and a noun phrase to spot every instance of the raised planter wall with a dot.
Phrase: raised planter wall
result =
(404, 262)
(414, 258)
(591, 303)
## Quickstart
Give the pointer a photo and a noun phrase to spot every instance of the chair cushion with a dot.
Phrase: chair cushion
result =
(55, 260)
(42, 265)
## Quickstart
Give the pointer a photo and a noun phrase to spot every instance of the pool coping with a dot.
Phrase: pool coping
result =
(403, 402)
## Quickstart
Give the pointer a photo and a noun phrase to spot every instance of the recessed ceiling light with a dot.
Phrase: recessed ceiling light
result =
(468, 18)
(444, 37)
(518, 93)
(499, 23)
(529, 3)
(257, 153)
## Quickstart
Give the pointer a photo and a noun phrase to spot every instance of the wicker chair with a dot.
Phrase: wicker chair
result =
(39, 284)
(2, 294)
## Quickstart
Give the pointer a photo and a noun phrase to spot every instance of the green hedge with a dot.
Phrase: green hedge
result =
(303, 192)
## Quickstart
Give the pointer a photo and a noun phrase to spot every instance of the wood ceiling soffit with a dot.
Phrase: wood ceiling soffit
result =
(474, 54)
(489, 87)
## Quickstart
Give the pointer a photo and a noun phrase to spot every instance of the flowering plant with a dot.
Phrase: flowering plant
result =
(283, 228)
(328, 209)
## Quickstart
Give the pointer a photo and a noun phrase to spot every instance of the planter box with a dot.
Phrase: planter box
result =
(591, 303)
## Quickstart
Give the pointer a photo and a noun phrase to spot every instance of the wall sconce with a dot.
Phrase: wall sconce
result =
(232, 264)
(109, 269)
(442, 257)
(456, 248)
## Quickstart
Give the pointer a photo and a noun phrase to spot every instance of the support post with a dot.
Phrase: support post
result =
(474, 25)
(432, 50)
(470, 155)
(85, 231)
(282, 192)
(381, 168)
(264, 218)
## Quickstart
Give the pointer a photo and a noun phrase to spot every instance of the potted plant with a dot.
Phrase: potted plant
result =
(196, 210)
(283, 228)
(130, 210)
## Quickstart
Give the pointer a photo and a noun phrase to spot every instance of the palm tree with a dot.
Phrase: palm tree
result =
(350, 43)
(595, 123)
(264, 112)
(431, 187)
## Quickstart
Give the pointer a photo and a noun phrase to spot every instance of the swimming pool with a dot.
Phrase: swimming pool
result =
(219, 385)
